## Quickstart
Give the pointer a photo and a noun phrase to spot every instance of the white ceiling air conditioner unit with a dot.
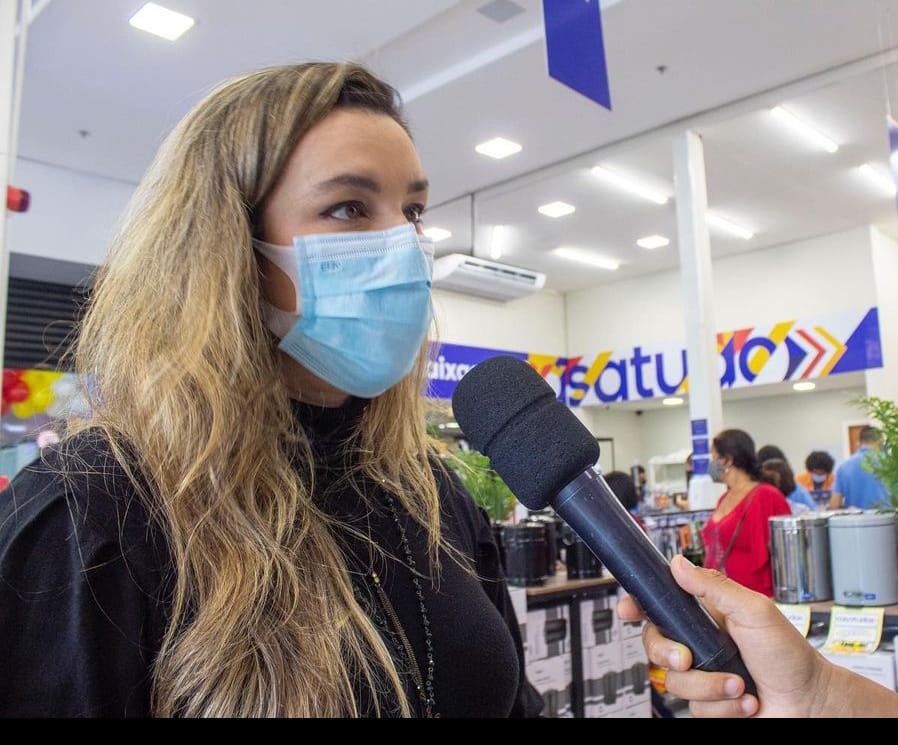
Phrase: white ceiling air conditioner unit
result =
(488, 279)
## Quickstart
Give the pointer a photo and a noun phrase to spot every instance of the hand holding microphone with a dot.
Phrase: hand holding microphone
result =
(546, 456)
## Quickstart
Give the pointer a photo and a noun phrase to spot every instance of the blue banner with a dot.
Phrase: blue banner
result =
(575, 47)
(453, 361)
(797, 349)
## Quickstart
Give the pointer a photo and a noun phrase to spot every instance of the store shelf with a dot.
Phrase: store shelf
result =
(560, 585)
(891, 611)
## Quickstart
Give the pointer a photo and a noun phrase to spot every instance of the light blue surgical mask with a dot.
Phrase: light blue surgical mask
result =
(362, 305)
(716, 471)
(818, 478)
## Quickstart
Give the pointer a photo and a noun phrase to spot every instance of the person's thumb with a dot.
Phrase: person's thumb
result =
(718, 593)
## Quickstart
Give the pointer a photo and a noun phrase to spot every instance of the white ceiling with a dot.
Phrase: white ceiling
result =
(469, 79)
(759, 175)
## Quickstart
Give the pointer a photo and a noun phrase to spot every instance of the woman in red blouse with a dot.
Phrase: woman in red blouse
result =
(737, 536)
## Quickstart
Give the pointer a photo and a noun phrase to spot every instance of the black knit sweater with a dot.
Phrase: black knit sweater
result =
(85, 581)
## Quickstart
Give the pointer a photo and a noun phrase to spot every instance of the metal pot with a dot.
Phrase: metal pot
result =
(526, 553)
(799, 554)
(864, 558)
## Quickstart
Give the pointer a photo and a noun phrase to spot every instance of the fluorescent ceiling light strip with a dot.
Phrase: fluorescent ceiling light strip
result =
(876, 177)
(585, 257)
(729, 227)
(672, 401)
(630, 185)
(809, 133)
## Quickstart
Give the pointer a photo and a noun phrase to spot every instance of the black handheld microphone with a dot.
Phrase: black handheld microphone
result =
(546, 456)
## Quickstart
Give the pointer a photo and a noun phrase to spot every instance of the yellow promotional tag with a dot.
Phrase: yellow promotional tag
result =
(799, 616)
(854, 630)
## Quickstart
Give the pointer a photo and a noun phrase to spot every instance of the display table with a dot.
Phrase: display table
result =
(820, 618)
(560, 585)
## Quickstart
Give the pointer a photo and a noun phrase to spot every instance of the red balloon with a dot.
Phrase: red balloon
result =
(10, 377)
(17, 393)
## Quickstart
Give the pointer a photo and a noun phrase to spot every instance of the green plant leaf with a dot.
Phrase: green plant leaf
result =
(483, 483)
(884, 463)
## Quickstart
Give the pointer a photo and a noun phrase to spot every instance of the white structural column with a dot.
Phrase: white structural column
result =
(7, 66)
(705, 411)
(883, 382)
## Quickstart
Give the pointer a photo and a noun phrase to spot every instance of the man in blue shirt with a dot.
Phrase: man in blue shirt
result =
(855, 486)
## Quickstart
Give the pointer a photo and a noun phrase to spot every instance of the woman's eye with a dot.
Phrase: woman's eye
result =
(414, 212)
(347, 211)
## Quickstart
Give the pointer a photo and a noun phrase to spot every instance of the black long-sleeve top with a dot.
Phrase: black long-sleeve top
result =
(86, 578)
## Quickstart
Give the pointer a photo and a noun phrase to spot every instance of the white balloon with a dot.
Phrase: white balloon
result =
(66, 386)
(58, 409)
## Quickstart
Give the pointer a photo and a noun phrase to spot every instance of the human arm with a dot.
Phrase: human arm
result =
(793, 679)
(837, 499)
(79, 621)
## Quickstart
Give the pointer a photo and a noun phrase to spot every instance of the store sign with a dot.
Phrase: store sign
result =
(790, 350)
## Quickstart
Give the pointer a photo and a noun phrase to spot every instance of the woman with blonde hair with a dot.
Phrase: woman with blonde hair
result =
(252, 521)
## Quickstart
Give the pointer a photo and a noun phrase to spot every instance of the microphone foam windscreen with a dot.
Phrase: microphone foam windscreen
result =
(534, 442)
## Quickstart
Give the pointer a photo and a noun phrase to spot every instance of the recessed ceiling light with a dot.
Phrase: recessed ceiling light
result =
(804, 129)
(876, 177)
(556, 209)
(585, 257)
(805, 385)
(438, 234)
(728, 227)
(672, 401)
(630, 185)
(498, 148)
(496, 242)
(161, 21)
(653, 241)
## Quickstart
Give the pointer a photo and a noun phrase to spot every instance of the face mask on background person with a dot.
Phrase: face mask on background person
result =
(362, 305)
(818, 478)
(716, 471)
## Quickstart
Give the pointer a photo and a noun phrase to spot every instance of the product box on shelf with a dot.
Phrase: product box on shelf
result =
(634, 679)
(552, 678)
(631, 630)
(602, 667)
(878, 666)
(600, 711)
(518, 597)
(642, 710)
(599, 623)
(548, 632)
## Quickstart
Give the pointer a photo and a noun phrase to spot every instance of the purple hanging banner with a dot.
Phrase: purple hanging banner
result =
(576, 49)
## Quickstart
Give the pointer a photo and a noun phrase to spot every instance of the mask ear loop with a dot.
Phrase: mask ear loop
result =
(280, 321)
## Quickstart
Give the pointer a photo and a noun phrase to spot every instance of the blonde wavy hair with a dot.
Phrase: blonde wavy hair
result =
(189, 394)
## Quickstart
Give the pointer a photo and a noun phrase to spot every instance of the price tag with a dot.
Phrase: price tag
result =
(799, 616)
(854, 630)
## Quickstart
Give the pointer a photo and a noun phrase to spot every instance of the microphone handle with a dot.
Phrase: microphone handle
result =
(595, 514)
